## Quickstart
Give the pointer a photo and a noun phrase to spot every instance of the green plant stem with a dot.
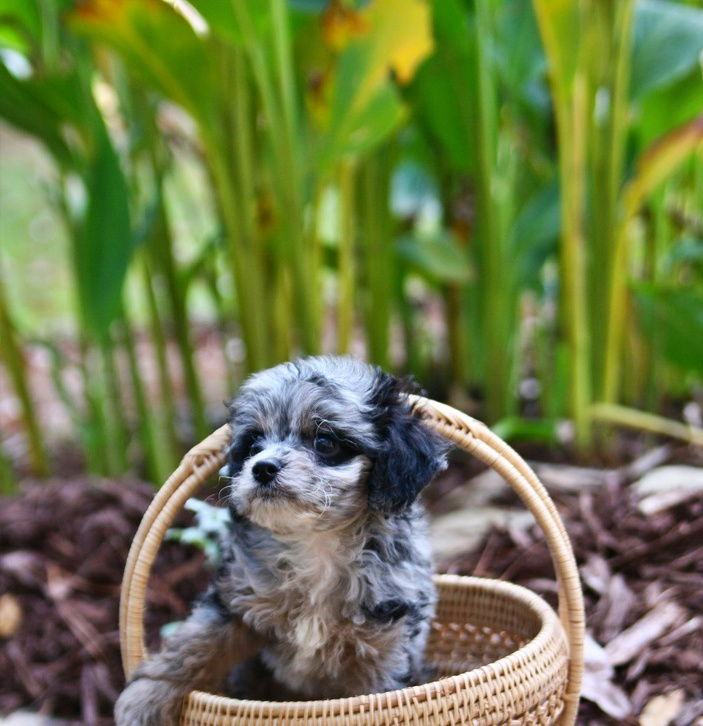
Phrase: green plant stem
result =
(494, 295)
(160, 343)
(8, 481)
(279, 112)
(91, 419)
(152, 434)
(304, 273)
(610, 126)
(95, 437)
(632, 418)
(573, 258)
(223, 317)
(376, 242)
(230, 151)
(267, 269)
(161, 249)
(346, 267)
(12, 357)
(569, 90)
(115, 423)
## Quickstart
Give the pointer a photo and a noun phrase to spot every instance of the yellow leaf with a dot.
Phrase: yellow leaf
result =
(402, 34)
(660, 160)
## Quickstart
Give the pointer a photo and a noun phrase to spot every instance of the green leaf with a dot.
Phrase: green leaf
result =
(365, 106)
(439, 256)
(40, 108)
(668, 38)
(222, 17)
(360, 117)
(519, 55)
(20, 22)
(670, 106)
(159, 47)
(105, 244)
(671, 320)
(514, 428)
(657, 162)
(441, 93)
(535, 234)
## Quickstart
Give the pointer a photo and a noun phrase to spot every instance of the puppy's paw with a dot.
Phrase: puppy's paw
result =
(147, 702)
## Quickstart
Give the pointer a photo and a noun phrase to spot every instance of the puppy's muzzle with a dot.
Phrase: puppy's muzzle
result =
(265, 471)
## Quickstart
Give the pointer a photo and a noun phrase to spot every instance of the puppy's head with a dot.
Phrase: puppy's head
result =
(319, 441)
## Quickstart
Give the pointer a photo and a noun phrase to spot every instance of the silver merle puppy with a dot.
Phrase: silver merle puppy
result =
(326, 570)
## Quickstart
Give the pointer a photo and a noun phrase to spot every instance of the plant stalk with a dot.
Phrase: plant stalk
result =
(13, 359)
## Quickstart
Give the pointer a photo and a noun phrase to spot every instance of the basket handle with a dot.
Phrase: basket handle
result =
(204, 460)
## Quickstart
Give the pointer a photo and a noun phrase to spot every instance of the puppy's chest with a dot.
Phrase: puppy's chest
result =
(305, 599)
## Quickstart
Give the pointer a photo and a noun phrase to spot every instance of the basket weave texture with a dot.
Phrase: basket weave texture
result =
(503, 656)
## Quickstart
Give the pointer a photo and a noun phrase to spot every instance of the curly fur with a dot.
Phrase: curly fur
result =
(326, 572)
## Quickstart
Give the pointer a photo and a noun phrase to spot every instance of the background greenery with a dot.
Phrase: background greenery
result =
(502, 198)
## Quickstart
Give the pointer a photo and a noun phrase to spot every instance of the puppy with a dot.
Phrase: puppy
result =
(326, 569)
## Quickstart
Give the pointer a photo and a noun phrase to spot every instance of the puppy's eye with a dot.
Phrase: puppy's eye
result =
(325, 445)
(254, 448)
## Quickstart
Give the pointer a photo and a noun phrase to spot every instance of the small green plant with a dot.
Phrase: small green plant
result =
(210, 523)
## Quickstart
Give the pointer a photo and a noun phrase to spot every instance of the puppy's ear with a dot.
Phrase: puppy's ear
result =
(409, 455)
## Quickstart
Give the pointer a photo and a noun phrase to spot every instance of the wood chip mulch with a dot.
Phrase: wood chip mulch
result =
(643, 586)
(63, 547)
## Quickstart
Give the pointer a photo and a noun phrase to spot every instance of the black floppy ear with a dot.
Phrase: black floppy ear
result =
(409, 455)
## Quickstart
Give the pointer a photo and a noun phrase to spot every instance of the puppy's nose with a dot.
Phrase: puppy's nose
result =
(265, 471)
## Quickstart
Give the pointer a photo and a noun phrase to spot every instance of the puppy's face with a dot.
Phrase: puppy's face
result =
(313, 442)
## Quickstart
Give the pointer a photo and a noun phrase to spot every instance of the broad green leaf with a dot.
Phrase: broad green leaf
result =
(442, 91)
(222, 17)
(158, 46)
(364, 105)
(104, 245)
(514, 428)
(671, 320)
(659, 161)
(535, 234)
(667, 42)
(519, 55)
(41, 107)
(20, 23)
(31, 27)
(439, 257)
(666, 108)
(358, 119)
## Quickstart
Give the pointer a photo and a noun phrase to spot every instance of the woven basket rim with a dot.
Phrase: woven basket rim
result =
(549, 624)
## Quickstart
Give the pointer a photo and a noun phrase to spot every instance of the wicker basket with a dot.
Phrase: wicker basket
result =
(503, 655)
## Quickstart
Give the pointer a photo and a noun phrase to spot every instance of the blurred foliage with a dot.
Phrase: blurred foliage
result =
(479, 192)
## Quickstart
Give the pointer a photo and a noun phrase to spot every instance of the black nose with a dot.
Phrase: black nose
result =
(265, 471)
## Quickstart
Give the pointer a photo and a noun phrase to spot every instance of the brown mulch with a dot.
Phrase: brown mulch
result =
(641, 571)
(63, 547)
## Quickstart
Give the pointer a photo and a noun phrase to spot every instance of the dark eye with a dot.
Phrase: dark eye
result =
(325, 445)
(255, 447)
